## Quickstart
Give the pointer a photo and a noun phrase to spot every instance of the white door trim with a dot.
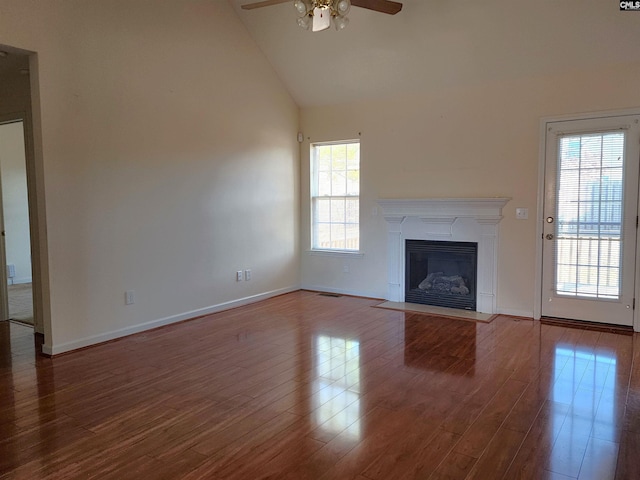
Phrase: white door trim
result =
(542, 148)
(4, 289)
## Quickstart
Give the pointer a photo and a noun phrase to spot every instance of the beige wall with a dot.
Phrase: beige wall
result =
(13, 172)
(480, 140)
(169, 159)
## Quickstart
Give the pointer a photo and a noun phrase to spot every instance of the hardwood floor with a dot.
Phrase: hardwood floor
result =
(304, 386)
(20, 298)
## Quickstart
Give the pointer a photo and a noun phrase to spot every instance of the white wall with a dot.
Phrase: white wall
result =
(13, 173)
(477, 140)
(170, 161)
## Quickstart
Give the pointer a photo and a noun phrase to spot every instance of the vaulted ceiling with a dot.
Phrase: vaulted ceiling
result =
(434, 44)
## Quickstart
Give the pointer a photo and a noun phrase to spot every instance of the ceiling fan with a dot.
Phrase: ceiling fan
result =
(318, 14)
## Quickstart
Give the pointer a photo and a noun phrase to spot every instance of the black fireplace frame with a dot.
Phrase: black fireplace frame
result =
(464, 251)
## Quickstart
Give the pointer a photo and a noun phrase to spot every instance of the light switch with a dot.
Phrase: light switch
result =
(522, 213)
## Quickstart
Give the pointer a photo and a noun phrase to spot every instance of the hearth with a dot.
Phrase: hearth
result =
(441, 273)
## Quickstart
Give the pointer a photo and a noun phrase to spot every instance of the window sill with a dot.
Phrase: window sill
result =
(337, 253)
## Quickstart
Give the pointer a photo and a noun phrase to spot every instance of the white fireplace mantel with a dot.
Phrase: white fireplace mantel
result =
(452, 219)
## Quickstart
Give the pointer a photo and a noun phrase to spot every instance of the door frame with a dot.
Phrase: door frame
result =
(543, 128)
(4, 283)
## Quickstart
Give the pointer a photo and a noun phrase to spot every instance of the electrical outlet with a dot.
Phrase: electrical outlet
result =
(247, 275)
(345, 268)
(129, 298)
(239, 276)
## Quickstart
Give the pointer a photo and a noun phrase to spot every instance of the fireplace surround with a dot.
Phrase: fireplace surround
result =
(446, 219)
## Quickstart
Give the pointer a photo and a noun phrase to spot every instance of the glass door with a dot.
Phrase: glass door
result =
(590, 212)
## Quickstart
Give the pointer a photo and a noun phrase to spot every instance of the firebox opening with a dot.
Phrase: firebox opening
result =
(441, 273)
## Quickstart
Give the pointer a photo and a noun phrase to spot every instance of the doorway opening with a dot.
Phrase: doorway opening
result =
(23, 245)
(15, 216)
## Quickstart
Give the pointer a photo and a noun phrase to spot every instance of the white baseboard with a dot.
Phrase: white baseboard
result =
(516, 313)
(123, 332)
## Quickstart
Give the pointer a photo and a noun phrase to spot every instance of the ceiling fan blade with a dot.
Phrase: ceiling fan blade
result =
(266, 3)
(384, 6)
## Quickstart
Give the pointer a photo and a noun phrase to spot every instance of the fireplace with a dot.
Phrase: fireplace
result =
(464, 220)
(441, 273)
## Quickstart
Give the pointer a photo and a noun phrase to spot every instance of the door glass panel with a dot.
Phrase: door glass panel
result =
(589, 215)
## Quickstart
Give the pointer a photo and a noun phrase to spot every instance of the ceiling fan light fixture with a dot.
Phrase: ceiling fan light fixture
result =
(301, 7)
(340, 23)
(318, 14)
(304, 22)
(321, 19)
(343, 7)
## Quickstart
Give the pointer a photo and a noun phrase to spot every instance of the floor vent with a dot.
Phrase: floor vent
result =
(324, 294)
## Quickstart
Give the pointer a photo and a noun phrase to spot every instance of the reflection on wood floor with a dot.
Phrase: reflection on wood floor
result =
(311, 387)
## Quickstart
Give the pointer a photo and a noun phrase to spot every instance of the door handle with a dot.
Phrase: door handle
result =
(549, 236)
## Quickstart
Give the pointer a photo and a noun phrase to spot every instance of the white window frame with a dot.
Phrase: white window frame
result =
(314, 195)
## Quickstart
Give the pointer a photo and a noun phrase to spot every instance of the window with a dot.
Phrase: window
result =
(590, 214)
(335, 196)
